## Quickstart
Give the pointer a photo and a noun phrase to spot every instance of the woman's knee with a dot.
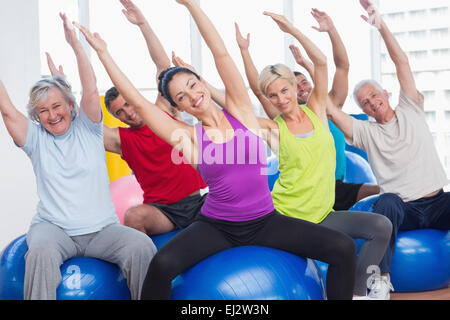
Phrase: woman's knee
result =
(346, 246)
(382, 227)
(342, 250)
(163, 264)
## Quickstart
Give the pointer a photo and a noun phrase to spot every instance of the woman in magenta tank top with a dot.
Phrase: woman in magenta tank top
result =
(227, 148)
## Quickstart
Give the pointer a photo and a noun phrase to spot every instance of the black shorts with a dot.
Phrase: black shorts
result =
(345, 195)
(183, 212)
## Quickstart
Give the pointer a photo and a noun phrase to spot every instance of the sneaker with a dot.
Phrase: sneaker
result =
(361, 298)
(380, 288)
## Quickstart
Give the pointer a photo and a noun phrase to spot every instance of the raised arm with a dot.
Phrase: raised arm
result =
(111, 140)
(238, 101)
(90, 99)
(318, 98)
(302, 61)
(252, 74)
(339, 88)
(157, 120)
(398, 56)
(16, 123)
(342, 120)
(52, 67)
(155, 48)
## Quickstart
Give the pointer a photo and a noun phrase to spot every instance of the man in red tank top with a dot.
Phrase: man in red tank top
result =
(172, 197)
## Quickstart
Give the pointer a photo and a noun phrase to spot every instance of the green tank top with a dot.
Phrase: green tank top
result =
(306, 186)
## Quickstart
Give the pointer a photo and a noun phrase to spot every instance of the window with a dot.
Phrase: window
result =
(447, 95)
(430, 116)
(418, 34)
(421, 54)
(439, 11)
(395, 16)
(429, 94)
(439, 33)
(447, 118)
(399, 35)
(441, 52)
(417, 13)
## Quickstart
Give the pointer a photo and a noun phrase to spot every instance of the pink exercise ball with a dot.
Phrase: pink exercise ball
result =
(125, 193)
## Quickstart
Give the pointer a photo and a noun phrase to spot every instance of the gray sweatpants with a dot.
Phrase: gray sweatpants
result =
(374, 228)
(49, 246)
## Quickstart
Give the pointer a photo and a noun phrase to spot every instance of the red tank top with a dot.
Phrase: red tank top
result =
(160, 178)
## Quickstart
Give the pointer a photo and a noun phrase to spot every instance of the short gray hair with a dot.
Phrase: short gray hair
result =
(364, 83)
(39, 93)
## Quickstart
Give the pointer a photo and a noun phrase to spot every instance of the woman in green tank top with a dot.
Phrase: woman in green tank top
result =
(304, 146)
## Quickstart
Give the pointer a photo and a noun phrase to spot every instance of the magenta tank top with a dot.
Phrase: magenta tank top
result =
(236, 174)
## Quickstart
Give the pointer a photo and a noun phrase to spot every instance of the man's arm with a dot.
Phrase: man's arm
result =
(339, 88)
(111, 140)
(342, 120)
(398, 56)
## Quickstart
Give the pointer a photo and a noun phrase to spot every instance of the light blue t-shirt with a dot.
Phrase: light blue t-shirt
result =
(339, 145)
(71, 176)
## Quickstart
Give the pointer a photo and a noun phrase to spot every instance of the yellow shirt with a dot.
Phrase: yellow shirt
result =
(306, 186)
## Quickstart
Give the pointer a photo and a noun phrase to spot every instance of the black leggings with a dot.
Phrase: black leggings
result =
(206, 237)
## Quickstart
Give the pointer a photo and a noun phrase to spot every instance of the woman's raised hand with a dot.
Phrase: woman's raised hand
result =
(69, 30)
(51, 66)
(95, 41)
(282, 22)
(242, 42)
(325, 22)
(373, 18)
(178, 62)
(296, 53)
(132, 12)
(184, 2)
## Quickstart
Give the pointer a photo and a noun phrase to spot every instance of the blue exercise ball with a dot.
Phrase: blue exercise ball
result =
(161, 239)
(272, 171)
(83, 278)
(12, 269)
(358, 169)
(250, 273)
(421, 261)
(366, 204)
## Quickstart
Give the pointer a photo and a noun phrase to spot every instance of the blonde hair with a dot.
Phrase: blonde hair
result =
(273, 72)
(39, 93)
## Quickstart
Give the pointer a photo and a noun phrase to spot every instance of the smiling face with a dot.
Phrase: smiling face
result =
(304, 89)
(189, 93)
(125, 112)
(282, 94)
(55, 113)
(375, 103)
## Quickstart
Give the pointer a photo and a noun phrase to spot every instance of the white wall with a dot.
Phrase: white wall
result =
(19, 69)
